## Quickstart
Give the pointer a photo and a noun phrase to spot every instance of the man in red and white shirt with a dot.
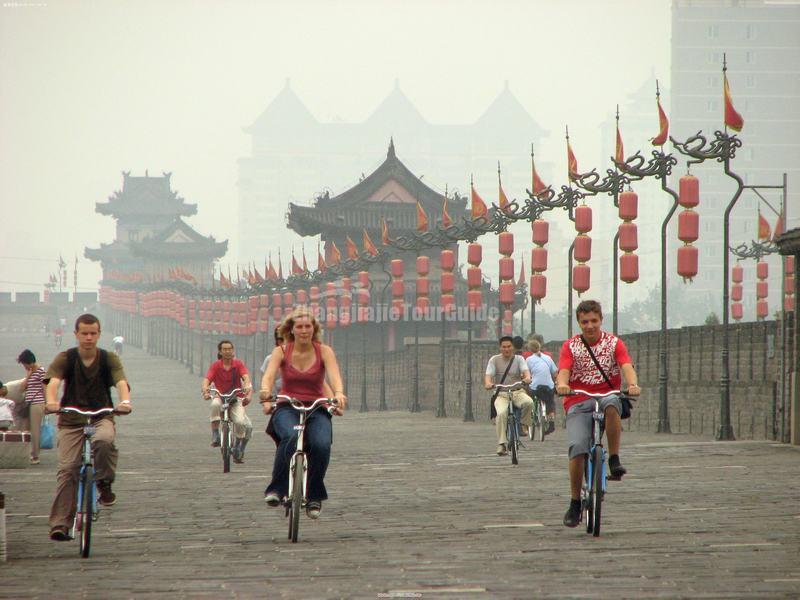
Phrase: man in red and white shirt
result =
(578, 372)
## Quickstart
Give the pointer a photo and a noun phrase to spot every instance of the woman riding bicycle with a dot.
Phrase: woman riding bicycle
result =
(303, 363)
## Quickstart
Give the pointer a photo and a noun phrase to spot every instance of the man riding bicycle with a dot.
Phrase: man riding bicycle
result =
(118, 341)
(88, 373)
(543, 374)
(507, 368)
(226, 374)
(577, 370)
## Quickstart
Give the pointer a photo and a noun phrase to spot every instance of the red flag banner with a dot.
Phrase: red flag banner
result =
(778, 231)
(224, 281)
(369, 247)
(503, 199)
(336, 256)
(321, 265)
(446, 220)
(305, 262)
(422, 219)
(572, 164)
(663, 126)
(272, 274)
(352, 249)
(479, 210)
(259, 278)
(385, 233)
(763, 228)
(296, 270)
(538, 186)
(619, 152)
(733, 119)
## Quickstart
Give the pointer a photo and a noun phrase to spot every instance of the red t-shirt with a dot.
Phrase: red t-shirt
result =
(610, 352)
(226, 380)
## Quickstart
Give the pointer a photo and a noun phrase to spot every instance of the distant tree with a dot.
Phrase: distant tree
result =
(712, 319)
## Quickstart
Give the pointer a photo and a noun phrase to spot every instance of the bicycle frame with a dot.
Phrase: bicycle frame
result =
(87, 461)
(598, 428)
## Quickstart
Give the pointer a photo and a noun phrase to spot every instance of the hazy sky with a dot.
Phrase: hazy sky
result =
(91, 88)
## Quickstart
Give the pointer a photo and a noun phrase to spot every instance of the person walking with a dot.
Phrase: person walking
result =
(33, 410)
(88, 373)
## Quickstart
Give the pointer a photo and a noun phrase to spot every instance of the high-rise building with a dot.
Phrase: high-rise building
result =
(295, 158)
(760, 40)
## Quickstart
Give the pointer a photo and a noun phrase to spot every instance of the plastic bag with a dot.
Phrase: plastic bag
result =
(47, 435)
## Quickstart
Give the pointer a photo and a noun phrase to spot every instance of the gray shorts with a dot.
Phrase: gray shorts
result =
(579, 423)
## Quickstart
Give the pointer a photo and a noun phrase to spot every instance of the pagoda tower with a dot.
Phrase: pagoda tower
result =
(153, 242)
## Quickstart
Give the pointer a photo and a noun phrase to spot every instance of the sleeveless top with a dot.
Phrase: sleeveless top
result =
(303, 385)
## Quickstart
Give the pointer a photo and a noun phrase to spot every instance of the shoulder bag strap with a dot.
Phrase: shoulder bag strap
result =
(596, 363)
(511, 362)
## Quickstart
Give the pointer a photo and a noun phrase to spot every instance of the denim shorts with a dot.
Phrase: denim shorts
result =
(579, 423)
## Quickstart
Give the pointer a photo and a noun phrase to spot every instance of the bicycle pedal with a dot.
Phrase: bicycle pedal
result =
(611, 477)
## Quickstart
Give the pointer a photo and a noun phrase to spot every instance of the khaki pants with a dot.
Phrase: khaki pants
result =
(70, 447)
(520, 400)
(238, 416)
(33, 423)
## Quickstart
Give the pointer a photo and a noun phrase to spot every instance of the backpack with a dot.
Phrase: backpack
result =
(69, 372)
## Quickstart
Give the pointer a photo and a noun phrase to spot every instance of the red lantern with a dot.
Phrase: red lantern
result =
(474, 299)
(628, 237)
(580, 278)
(423, 303)
(788, 284)
(253, 301)
(302, 297)
(474, 279)
(539, 232)
(506, 268)
(505, 243)
(583, 219)
(474, 254)
(397, 267)
(423, 286)
(363, 279)
(688, 226)
(447, 282)
(762, 309)
(263, 300)
(507, 293)
(762, 270)
(583, 248)
(737, 292)
(288, 300)
(538, 285)
(539, 259)
(788, 303)
(629, 267)
(737, 273)
(628, 206)
(736, 311)
(447, 302)
(689, 194)
(762, 289)
(447, 260)
(398, 288)
(423, 265)
(687, 261)
(788, 265)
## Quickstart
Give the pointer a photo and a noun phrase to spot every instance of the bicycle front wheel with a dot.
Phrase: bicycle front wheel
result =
(297, 497)
(225, 443)
(85, 511)
(513, 440)
(587, 496)
(597, 487)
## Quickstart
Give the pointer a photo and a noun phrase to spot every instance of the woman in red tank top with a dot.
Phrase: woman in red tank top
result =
(303, 363)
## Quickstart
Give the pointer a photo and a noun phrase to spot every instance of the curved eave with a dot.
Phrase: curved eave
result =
(162, 251)
(133, 210)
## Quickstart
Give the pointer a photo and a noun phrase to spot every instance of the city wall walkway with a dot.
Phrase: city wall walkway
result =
(419, 507)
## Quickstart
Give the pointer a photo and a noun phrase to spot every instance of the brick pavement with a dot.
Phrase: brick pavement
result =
(418, 506)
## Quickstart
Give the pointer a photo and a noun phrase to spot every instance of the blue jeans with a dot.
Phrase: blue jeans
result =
(318, 439)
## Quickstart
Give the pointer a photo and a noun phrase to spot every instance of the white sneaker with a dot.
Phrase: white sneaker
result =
(272, 499)
(501, 450)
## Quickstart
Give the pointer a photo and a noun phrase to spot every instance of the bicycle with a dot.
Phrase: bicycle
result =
(87, 511)
(512, 425)
(226, 427)
(539, 418)
(298, 465)
(593, 489)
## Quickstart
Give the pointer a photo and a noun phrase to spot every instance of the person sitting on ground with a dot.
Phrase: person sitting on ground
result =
(6, 409)
(507, 368)
(303, 363)
(578, 372)
(543, 374)
(88, 373)
(228, 373)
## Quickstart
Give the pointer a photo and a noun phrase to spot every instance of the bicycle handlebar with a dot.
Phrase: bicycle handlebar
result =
(86, 413)
(227, 396)
(600, 395)
(507, 387)
(298, 404)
